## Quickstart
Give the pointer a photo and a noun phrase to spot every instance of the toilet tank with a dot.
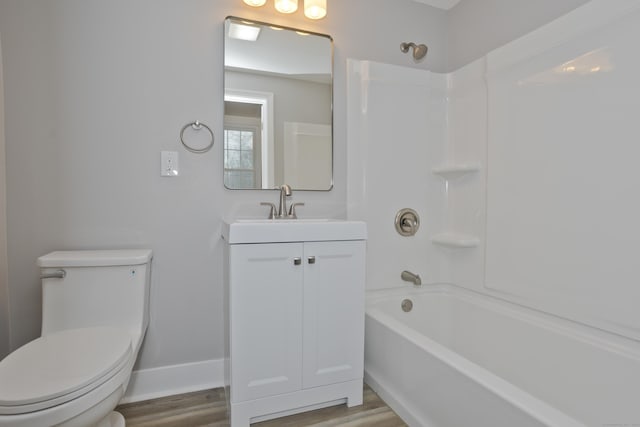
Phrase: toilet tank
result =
(99, 288)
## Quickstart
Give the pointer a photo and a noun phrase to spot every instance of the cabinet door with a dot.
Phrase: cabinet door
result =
(265, 320)
(333, 345)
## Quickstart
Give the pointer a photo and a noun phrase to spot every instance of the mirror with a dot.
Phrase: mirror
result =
(278, 98)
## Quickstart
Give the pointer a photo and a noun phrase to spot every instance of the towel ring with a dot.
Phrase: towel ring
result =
(197, 126)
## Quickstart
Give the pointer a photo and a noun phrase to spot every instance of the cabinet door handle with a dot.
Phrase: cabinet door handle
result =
(297, 261)
(311, 260)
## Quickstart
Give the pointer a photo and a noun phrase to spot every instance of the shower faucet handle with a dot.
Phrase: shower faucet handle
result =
(407, 222)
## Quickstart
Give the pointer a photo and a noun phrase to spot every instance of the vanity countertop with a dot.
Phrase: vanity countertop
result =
(294, 230)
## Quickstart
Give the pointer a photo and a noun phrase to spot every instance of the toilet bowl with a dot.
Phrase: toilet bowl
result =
(95, 315)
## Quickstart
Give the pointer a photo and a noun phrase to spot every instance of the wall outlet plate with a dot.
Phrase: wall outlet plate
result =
(169, 163)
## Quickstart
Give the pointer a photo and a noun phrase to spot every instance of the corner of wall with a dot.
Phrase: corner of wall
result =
(4, 285)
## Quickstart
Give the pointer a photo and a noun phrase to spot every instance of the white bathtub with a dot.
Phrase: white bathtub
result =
(463, 359)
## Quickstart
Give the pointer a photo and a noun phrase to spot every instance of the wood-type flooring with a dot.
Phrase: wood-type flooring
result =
(208, 409)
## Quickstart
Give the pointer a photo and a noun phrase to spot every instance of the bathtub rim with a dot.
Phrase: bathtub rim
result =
(515, 396)
(617, 343)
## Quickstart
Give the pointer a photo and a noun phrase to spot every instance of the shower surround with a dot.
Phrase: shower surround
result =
(523, 168)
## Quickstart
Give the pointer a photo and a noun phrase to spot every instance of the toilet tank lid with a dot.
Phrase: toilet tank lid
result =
(97, 258)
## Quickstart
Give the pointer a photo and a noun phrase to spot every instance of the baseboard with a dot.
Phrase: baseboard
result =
(170, 380)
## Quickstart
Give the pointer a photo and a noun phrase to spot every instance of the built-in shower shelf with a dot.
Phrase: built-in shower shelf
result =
(450, 172)
(455, 240)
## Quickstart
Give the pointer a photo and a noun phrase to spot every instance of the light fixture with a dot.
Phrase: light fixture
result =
(286, 6)
(315, 9)
(243, 32)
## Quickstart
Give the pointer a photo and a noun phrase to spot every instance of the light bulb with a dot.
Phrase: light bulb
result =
(286, 6)
(315, 9)
(255, 3)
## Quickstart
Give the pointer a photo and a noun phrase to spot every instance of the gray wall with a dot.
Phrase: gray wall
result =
(475, 27)
(95, 89)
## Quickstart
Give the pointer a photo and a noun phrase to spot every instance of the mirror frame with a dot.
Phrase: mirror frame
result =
(331, 98)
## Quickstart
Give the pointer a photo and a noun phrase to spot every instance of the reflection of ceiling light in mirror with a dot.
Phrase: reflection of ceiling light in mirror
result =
(255, 3)
(315, 9)
(243, 32)
(286, 6)
(301, 33)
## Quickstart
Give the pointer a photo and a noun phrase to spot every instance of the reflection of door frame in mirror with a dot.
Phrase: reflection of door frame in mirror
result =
(265, 99)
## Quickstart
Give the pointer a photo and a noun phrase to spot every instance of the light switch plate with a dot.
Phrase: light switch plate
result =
(169, 163)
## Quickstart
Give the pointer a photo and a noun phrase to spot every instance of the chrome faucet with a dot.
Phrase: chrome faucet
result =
(408, 276)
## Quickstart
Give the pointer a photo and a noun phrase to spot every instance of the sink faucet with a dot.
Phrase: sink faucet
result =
(410, 277)
(282, 212)
(285, 191)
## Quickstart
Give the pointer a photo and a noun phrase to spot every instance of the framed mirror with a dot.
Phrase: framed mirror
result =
(278, 107)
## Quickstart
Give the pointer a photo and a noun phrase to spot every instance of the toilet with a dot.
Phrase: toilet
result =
(95, 312)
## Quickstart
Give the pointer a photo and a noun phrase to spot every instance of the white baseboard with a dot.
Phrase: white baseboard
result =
(164, 381)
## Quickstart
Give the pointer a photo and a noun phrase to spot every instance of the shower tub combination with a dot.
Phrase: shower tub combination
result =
(460, 358)
(537, 234)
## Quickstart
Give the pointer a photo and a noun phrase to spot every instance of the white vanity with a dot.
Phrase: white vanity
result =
(296, 315)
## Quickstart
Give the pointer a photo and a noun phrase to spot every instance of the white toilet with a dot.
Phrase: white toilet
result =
(95, 312)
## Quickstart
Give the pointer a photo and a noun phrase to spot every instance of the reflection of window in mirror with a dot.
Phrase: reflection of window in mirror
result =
(242, 145)
(248, 140)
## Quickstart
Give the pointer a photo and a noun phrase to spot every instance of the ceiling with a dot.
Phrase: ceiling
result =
(441, 4)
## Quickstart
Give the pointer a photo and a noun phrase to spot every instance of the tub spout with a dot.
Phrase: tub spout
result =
(410, 277)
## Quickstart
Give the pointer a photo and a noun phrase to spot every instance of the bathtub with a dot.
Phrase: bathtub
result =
(460, 359)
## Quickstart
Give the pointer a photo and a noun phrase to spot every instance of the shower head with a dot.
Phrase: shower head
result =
(419, 50)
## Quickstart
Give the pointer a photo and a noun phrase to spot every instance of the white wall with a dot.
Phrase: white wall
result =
(4, 289)
(475, 27)
(397, 124)
(562, 180)
(548, 118)
(95, 89)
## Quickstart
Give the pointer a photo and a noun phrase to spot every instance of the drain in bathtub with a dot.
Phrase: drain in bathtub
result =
(406, 305)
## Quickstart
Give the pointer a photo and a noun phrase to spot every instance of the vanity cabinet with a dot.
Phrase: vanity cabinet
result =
(296, 326)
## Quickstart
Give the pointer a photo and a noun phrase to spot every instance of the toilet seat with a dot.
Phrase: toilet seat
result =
(60, 367)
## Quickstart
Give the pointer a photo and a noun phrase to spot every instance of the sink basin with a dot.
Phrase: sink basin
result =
(292, 230)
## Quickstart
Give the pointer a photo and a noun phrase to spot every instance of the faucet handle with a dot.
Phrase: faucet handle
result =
(292, 210)
(272, 211)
